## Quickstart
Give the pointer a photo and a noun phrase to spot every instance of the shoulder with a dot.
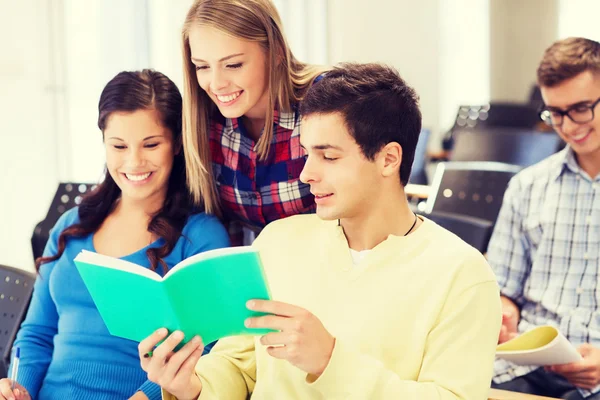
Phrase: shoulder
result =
(293, 230)
(540, 173)
(69, 218)
(205, 230)
(203, 222)
(470, 266)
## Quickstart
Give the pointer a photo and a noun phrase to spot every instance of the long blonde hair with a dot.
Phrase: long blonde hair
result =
(253, 20)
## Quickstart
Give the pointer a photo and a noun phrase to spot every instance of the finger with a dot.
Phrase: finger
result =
(275, 307)
(181, 356)
(270, 322)
(279, 352)
(279, 339)
(148, 344)
(163, 352)
(5, 390)
(572, 368)
(585, 349)
(182, 378)
(506, 314)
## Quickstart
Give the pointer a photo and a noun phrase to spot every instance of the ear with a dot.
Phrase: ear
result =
(390, 158)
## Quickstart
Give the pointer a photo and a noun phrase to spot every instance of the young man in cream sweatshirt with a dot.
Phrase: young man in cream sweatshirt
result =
(370, 301)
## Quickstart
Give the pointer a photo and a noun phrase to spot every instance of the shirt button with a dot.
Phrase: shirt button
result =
(588, 219)
(579, 290)
(586, 256)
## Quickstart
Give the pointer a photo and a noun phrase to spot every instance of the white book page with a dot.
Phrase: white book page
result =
(207, 255)
(541, 346)
(115, 263)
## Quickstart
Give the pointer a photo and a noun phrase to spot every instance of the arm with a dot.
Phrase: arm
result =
(508, 252)
(35, 338)
(457, 364)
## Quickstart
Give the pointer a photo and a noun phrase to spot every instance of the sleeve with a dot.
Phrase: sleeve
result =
(35, 338)
(228, 372)
(151, 390)
(457, 363)
(508, 252)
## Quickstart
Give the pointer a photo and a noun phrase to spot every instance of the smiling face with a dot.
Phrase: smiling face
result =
(345, 183)
(139, 154)
(581, 90)
(233, 72)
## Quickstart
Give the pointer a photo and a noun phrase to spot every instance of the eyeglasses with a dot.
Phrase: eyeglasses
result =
(579, 114)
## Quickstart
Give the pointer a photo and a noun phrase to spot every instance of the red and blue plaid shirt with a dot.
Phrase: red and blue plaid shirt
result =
(253, 192)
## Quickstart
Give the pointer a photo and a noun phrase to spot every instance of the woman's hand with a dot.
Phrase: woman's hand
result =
(172, 371)
(7, 393)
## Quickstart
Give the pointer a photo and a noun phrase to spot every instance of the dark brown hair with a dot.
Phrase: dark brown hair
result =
(567, 58)
(128, 92)
(378, 108)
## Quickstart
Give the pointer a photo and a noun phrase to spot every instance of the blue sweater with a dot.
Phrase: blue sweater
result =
(66, 350)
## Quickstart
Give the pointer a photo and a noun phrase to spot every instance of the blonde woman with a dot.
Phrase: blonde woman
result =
(242, 86)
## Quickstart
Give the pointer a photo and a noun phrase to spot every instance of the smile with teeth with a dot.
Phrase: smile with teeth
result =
(580, 136)
(137, 177)
(229, 98)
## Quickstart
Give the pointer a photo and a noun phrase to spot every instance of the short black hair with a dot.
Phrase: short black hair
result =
(378, 108)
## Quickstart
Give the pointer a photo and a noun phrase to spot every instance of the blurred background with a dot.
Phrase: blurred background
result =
(57, 55)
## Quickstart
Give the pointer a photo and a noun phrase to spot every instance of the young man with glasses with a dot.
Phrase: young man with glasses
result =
(545, 249)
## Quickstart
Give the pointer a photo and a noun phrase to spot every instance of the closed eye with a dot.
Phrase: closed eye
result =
(119, 147)
(151, 145)
(235, 66)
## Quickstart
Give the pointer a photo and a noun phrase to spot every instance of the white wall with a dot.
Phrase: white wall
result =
(28, 151)
(440, 47)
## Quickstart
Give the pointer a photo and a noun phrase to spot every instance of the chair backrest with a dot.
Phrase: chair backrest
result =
(16, 287)
(515, 115)
(474, 189)
(67, 196)
(522, 147)
(418, 174)
(474, 231)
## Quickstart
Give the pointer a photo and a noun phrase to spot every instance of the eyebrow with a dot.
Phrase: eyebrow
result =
(579, 103)
(323, 147)
(221, 60)
(146, 138)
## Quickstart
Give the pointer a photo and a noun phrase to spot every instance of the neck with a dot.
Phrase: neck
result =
(590, 163)
(254, 126)
(145, 208)
(390, 216)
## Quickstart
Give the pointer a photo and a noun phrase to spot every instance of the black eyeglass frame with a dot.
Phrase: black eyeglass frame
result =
(545, 116)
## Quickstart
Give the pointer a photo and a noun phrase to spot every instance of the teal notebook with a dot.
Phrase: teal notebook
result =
(203, 295)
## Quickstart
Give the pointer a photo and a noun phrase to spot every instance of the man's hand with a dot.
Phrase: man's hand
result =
(510, 320)
(585, 373)
(303, 340)
(172, 371)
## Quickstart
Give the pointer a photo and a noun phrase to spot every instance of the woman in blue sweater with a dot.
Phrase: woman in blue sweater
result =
(141, 212)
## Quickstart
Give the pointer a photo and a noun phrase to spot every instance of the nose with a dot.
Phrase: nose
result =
(568, 126)
(135, 158)
(308, 174)
(218, 80)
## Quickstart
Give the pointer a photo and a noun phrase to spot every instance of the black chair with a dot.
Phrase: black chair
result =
(494, 115)
(474, 189)
(523, 147)
(512, 115)
(16, 287)
(418, 173)
(474, 231)
(68, 195)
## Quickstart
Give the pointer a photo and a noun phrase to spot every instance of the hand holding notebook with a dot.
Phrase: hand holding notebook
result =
(543, 345)
(203, 295)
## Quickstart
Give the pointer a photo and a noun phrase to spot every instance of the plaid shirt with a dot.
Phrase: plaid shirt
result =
(254, 193)
(545, 252)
